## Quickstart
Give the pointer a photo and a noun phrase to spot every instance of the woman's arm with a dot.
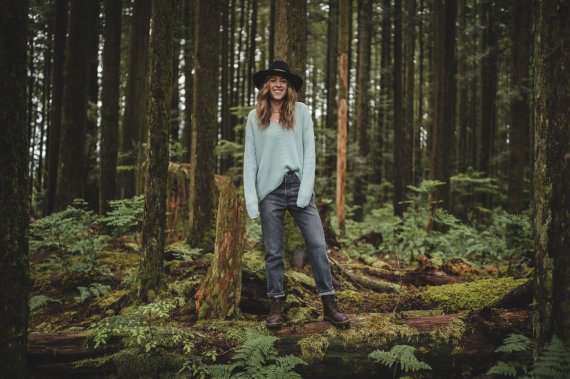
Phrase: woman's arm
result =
(309, 161)
(250, 170)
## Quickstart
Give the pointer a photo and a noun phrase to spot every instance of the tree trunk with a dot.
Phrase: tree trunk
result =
(188, 77)
(399, 135)
(136, 94)
(291, 36)
(380, 163)
(70, 177)
(14, 216)
(151, 273)
(552, 172)
(409, 79)
(488, 77)
(110, 107)
(205, 122)
(461, 91)
(54, 133)
(343, 58)
(331, 80)
(418, 159)
(520, 110)
(220, 291)
(362, 120)
(252, 48)
(90, 176)
(443, 99)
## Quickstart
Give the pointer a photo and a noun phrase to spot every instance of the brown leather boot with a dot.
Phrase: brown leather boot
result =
(332, 313)
(275, 318)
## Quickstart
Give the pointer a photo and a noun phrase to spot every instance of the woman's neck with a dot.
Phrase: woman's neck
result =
(275, 105)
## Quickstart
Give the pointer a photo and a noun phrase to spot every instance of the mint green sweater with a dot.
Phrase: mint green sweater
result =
(271, 152)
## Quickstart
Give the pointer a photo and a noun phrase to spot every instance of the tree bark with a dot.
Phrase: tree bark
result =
(488, 77)
(461, 91)
(362, 120)
(220, 291)
(552, 172)
(520, 109)
(331, 80)
(399, 135)
(151, 272)
(205, 121)
(54, 134)
(14, 216)
(136, 95)
(110, 103)
(343, 58)
(409, 79)
(70, 177)
(443, 99)
(291, 37)
(188, 77)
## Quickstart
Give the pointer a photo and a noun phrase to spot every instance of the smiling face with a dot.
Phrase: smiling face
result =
(277, 87)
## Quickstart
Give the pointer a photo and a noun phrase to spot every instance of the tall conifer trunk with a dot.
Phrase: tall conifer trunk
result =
(205, 122)
(552, 171)
(70, 177)
(136, 93)
(443, 98)
(151, 274)
(14, 216)
(110, 100)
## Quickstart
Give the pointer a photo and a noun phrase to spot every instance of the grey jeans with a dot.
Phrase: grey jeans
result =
(272, 213)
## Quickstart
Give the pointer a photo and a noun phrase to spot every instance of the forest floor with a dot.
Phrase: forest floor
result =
(86, 319)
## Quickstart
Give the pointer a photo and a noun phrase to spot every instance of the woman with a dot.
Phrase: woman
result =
(279, 174)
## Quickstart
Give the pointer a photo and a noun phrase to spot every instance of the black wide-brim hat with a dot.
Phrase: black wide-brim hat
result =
(279, 68)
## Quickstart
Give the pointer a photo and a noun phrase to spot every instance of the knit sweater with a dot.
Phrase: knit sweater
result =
(273, 151)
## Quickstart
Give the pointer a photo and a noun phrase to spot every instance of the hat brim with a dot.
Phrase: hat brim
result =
(260, 76)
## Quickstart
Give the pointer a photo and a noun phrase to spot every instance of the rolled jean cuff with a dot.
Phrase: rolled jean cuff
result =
(327, 292)
(282, 294)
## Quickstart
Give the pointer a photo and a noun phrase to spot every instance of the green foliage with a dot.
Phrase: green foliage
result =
(74, 231)
(93, 290)
(257, 358)
(400, 356)
(146, 329)
(504, 369)
(515, 342)
(553, 362)
(176, 150)
(125, 216)
(40, 301)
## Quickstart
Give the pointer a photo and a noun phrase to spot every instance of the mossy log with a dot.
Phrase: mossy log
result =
(220, 291)
(417, 278)
(453, 344)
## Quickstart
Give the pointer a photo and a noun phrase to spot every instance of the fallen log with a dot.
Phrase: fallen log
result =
(451, 343)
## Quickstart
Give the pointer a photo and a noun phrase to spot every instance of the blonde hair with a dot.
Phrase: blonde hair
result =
(287, 116)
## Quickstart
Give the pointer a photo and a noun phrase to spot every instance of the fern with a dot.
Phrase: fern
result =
(257, 358)
(504, 369)
(514, 342)
(402, 356)
(94, 290)
(40, 301)
(553, 362)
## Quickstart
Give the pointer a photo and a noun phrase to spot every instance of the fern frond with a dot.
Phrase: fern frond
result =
(553, 361)
(503, 368)
(514, 342)
(402, 355)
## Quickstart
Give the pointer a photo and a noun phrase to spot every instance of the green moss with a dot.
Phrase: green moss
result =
(117, 260)
(468, 296)
(372, 330)
(313, 348)
(300, 277)
(450, 333)
(253, 263)
(130, 363)
(232, 330)
(300, 314)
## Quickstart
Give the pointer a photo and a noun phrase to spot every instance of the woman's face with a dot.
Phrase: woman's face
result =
(277, 87)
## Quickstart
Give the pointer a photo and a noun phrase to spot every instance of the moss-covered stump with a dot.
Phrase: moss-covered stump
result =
(220, 291)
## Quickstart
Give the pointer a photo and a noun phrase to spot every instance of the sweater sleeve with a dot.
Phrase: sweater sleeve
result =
(309, 161)
(250, 170)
